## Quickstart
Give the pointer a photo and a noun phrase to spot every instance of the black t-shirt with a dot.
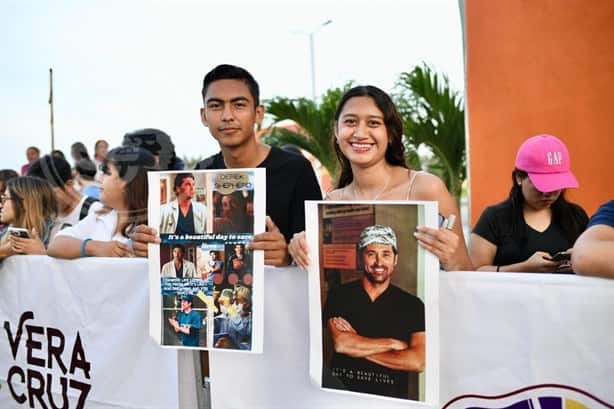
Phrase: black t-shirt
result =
(496, 226)
(394, 314)
(290, 181)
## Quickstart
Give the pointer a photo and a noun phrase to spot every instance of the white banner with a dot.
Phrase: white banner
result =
(519, 337)
(75, 333)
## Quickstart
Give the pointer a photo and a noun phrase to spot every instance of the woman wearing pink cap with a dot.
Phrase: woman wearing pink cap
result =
(525, 232)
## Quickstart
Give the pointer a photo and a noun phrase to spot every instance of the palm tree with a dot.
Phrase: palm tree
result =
(434, 115)
(315, 121)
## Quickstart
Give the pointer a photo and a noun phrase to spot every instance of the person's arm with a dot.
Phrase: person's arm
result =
(141, 236)
(174, 324)
(6, 250)
(447, 244)
(348, 342)
(273, 243)
(68, 247)
(299, 251)
(410, 359)
(27, 245)
(483, 255)
(593, 252)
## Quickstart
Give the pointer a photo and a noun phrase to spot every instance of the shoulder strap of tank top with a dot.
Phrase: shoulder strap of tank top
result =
(411, 184)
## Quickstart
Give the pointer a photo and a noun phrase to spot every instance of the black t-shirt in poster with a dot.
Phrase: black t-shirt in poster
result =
(496, 226)
(290, 181)
(394, 314)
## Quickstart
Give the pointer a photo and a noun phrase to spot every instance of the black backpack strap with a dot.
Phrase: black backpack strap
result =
(86, 207)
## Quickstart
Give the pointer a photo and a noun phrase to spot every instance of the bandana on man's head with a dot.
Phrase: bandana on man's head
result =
(377, 234)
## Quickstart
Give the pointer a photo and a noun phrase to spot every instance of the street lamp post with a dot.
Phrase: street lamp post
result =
(312, 53)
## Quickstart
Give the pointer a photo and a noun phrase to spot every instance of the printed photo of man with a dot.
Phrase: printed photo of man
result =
(187, 323)
(179, 267)
(377, 328)
(183, 215)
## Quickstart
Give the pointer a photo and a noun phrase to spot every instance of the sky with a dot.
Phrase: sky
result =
(119, 66)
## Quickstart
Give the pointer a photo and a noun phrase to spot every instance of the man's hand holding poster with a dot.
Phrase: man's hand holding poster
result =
(373, 299)
(205, 285)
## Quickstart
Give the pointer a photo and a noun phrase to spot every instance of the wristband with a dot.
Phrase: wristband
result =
(83, 243)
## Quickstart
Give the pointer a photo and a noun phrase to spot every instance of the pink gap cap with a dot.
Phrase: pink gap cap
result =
(546, 159)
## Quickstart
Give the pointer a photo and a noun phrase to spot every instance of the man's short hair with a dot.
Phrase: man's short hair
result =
(232, 72)
(378, 234)
(52, 168)
(179, 179)
(187, 297)
(179, 246)
(86, 168)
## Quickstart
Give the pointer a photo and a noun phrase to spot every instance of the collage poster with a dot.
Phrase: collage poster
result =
(373, 300)
(205, 284)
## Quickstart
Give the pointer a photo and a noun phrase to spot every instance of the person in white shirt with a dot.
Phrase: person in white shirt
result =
(179, 266)
(183, 215)
(104, 233)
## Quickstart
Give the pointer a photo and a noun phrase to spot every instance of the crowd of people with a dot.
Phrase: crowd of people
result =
(98, 206)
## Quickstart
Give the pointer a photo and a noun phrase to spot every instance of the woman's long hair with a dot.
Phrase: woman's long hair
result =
(569, 216)
(132, 165)
(34, 205)
(394, 128)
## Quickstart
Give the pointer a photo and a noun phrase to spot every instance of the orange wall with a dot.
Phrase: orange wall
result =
(540, 66)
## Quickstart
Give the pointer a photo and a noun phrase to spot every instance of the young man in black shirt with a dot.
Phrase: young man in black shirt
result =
(231, 110)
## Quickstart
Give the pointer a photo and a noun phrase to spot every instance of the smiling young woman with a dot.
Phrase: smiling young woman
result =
(368, 142)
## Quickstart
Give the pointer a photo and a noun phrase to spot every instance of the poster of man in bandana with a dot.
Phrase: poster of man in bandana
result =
(370, 294)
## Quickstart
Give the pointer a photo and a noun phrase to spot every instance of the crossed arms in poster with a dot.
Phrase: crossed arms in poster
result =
(389, 352)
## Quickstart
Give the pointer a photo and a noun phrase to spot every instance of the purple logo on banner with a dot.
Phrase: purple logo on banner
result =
(547, 396)
(45, 350)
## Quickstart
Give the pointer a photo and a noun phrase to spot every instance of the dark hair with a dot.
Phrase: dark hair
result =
(394, 128)
(155, 141)
(80, 149)
(52, 168)
(179, 246)
(7, 174)
(86, 168)
(132, 164)
(569, 216)
(34, 148)
(58, 153)
(232, 72)
(179, 179)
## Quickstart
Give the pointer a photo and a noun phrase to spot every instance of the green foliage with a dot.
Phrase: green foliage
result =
(434, 115)
(316, 121)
